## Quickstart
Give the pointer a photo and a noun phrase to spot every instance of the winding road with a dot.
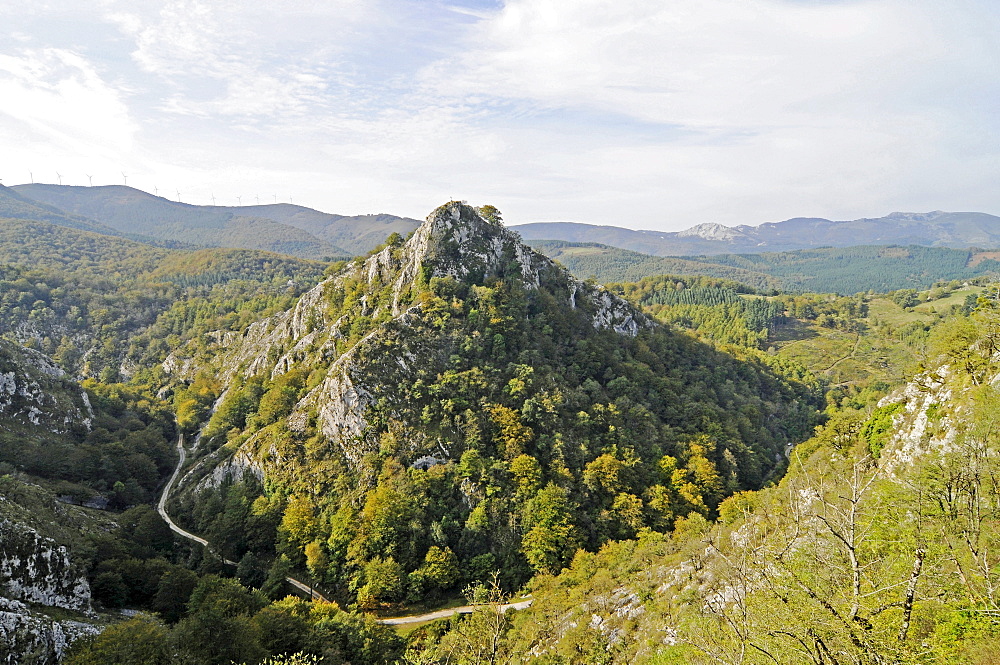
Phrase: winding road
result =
(161, 508)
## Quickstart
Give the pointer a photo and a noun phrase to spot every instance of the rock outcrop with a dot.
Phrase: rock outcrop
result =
(34, 392)
(455, 242)
(38, 570)
(28, 637)
(37, 573)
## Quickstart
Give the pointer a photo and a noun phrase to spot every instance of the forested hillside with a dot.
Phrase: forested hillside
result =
(107, 307)
(874, 548)
(457, 404)
(278, 227)
(455, 413)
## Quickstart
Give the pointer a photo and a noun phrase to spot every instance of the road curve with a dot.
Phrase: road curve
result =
(161, 507)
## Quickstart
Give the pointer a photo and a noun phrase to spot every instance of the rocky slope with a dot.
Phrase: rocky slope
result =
(37, 570)
(441, 369)
(454, 243)
(35, 393)
(39, 404)
(36, 574)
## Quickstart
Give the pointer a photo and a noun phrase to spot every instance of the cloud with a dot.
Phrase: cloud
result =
(627, 112)
(765, 109)
(226, 58)
(56, 97)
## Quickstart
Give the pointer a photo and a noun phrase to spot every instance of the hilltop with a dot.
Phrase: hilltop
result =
(283, 228)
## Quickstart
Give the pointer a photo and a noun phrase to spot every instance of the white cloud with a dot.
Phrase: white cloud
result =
(56, 100)
(766, 109)
(629, 112)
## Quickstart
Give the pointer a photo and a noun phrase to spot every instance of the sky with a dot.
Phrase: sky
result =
(648, 115)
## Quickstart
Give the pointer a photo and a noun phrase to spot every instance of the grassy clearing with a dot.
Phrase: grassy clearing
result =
(885, 311)
(944, 304)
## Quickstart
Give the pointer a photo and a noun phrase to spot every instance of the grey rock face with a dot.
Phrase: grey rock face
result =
(34, 391)
(35, 569)
(26, 637)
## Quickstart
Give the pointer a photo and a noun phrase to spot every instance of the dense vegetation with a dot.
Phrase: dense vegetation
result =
(218, 620)
(539, 434)
(106, 307)
(718, 309)
(637, 485)
(853, 557)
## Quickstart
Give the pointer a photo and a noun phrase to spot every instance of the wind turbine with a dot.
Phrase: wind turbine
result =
(58, 175)
(275, 198)
(156, 190)
(178, 196)
(31, 176)
(213, 199)
(91, 179)
(258, 199)
(125, 178)
(239, 200)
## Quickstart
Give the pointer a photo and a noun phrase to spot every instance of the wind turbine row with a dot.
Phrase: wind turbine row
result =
(156, 190)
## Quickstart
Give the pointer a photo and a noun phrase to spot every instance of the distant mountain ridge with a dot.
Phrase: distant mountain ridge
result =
(307, 233)
(284, 228)
(958, 230)
(16, 206)
(845, 270)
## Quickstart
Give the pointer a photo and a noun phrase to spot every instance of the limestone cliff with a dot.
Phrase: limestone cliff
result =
(38, 573)
(36, 393)
(38, 570)
(29, 637)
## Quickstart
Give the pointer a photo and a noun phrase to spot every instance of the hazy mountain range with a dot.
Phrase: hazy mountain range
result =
(308, 233)
(931, 229)
(282, 227)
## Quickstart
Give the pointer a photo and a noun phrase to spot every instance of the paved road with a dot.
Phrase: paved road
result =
(444, 614)
(161, 507)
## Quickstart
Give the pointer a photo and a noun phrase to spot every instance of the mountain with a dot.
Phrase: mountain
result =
(958, 230)
(16, 206)
(133, 212)
(106, 305)
(357, 234)
(458, 403)
(457, 411)
(51, 429)
(613, 264)
(870, 549)
(830, 269)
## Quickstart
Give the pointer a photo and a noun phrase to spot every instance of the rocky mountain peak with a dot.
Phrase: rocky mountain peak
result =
(712, 231)
(369, 326)
(457, 241)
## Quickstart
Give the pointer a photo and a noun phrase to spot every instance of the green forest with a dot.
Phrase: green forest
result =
(709, 469)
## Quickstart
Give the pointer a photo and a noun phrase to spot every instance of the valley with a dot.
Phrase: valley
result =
(703, 460)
